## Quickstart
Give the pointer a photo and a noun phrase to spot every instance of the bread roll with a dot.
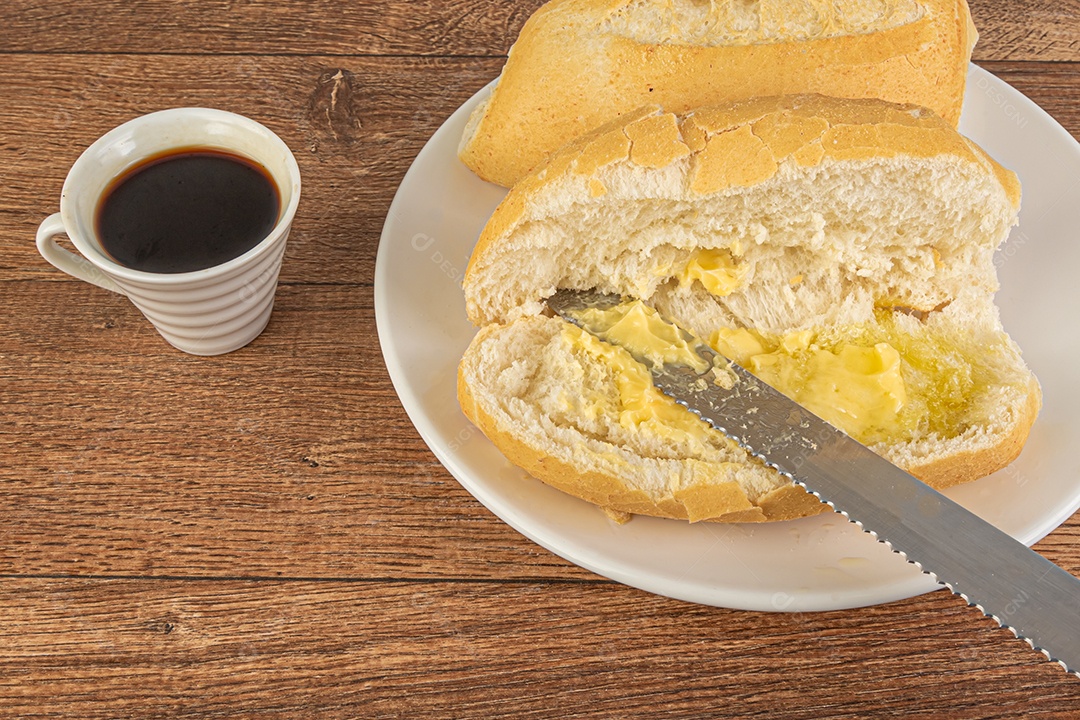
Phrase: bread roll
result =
(832, 246)
(581, 63)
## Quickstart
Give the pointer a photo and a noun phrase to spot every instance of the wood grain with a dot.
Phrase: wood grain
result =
(272, 649)
(290, 457)
(129, 461)
(265, 534)
(1044, 30)
(225, 27)
(352, 153)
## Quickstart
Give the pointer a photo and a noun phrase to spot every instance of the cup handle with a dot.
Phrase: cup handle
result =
(74, 265)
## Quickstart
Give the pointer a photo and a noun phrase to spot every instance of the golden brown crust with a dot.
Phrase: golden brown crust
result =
(607, 491)
(790, 502)
(571, 71)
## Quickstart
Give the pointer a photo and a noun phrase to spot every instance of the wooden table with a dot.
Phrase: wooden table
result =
(264, 534)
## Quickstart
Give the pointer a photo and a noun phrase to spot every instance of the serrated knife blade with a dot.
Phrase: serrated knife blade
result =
(1021, 590)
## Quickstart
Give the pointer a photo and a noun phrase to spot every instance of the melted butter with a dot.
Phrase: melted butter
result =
(738, 344)
(716, 270)
(858, 389)
(858, 385)
(640, 404)
(942, 372)
(640, 330)
(877, 383)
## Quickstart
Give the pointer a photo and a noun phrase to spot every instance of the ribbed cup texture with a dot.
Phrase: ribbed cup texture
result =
(219, 315)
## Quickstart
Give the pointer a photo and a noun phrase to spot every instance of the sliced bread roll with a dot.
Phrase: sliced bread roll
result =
(842, 250)
(578, 64)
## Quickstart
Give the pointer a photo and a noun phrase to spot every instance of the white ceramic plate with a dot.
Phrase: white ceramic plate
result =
(818, 563)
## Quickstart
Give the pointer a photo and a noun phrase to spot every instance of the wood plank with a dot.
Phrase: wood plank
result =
(352, 153)
(1028, 30)
(121, 648)
(290, 457)
(352, 157)
(1023, 30)
(319, 27)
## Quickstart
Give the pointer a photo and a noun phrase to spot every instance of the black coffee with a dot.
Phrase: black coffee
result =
(187, 209)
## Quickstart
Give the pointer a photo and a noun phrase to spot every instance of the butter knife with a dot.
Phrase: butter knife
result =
(1021, 590)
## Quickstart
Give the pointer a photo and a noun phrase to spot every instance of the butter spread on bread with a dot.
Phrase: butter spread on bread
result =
(850, 264)
(578, 64)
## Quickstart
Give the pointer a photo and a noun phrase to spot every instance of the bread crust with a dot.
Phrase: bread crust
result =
(741, 144)
(727, 501)
(571, 71)
(715, 502)
(708, 152)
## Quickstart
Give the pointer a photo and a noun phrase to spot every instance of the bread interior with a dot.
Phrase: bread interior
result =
(818, 246)
(964, 388)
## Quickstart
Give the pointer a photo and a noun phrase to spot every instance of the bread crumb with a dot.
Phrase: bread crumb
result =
(617, 516)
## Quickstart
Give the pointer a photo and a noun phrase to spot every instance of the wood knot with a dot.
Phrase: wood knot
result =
(332, 108)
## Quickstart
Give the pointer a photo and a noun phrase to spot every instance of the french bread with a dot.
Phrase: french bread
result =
(841, 249)
(578, 64)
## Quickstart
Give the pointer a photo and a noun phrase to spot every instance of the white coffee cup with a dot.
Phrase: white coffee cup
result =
(204, 312)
